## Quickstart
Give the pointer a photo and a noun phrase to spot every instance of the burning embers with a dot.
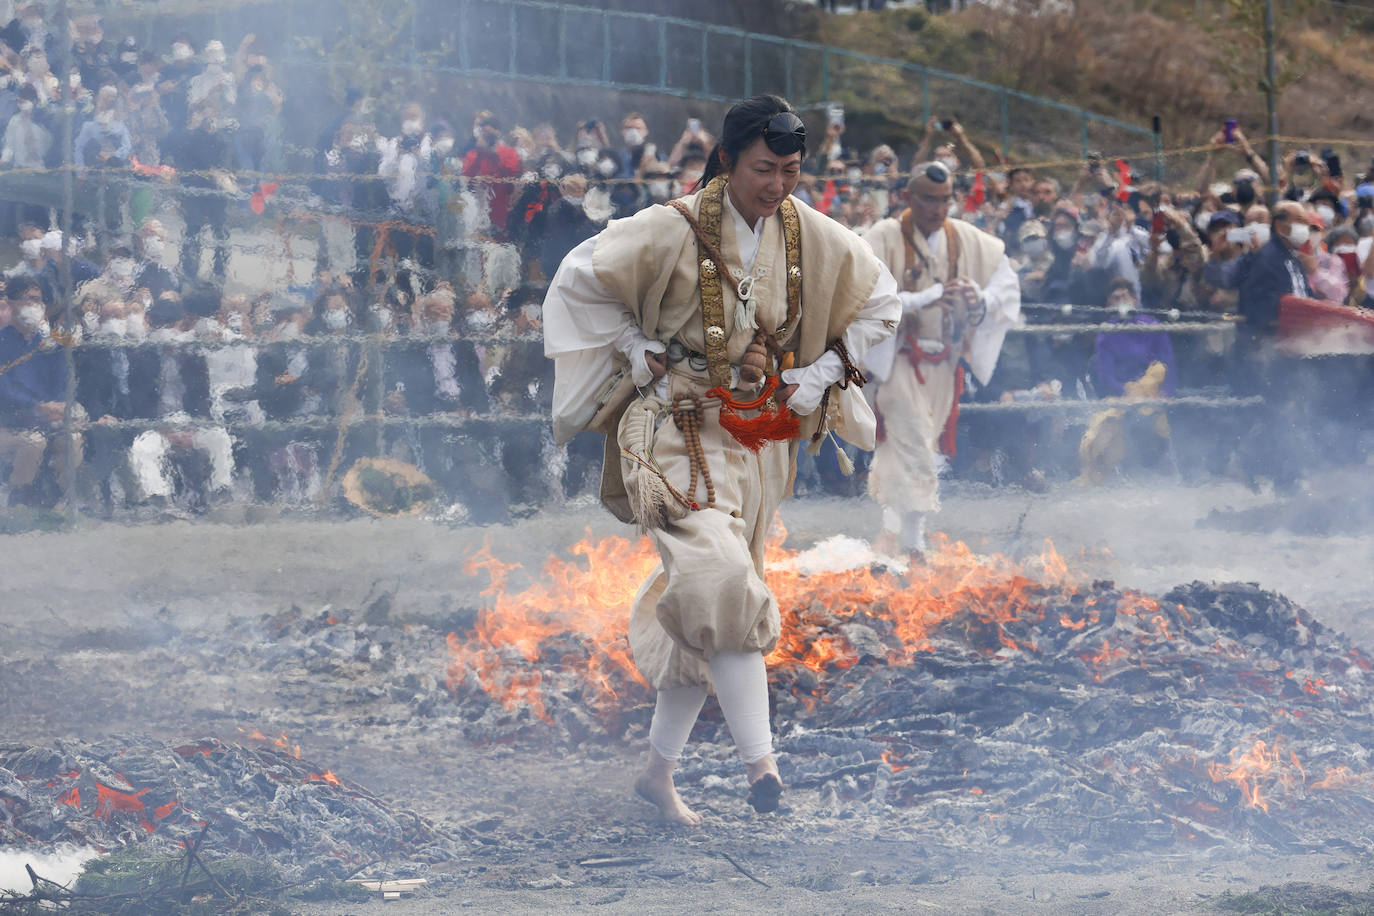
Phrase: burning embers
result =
(256, 801)
(982, 690)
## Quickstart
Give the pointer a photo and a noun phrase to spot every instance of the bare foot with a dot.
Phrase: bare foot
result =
(655, 786)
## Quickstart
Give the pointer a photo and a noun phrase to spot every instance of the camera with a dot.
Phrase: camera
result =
(1302, 159)
(947, 124)
(1333, 162)
(1094, 158)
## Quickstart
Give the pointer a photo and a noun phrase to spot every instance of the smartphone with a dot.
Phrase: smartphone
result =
(1229, 131)
(694, 125)
(834, 114)
(947, 124)
(1158, 224)
(1333, 162)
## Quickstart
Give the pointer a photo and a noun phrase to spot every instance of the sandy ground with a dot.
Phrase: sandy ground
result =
(73, 591)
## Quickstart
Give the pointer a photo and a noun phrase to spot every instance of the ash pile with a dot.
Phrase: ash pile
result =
(1081, 717)
(262, 803)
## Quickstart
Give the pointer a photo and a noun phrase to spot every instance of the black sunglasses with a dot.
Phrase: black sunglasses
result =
(937, 173)
(785, 133)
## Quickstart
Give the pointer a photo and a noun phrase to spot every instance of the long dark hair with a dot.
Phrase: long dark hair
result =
(744, 124)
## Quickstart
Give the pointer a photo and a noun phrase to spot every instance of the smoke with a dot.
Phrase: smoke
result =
(62, 865)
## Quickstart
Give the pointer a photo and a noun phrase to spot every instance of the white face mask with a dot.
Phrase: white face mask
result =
(104, 118)
(114, 327)
(586, 157)
(954, 209)
(854, 174)
(481, 320)
(659, 190)
(606, 168)
(32, 249)
(30, 318)
(26, 106)
(122, 271)
(552, 172)
(1202, 219)
(436, 326)
(181, 52)
(153, 247)
(1165, 249)
(443, 146)
(1065, 239)
(1298, 234)
(234, 322)
(1260, 233)
(1035, 247)
(633, 136)
(951, 164)
(411, 127)
(336, 319)
(1327, 214)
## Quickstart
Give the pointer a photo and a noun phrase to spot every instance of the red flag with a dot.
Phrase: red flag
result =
(1123, 179)
(976, 194)
(264, 194)
(154, 171)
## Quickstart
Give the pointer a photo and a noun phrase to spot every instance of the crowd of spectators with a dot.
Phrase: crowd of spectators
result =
(424, 346)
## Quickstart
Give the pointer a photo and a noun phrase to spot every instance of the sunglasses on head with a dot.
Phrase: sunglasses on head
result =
(785, 133)
(937, 173)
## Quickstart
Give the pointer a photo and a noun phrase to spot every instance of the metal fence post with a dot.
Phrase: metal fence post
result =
(514, 42)
(787, 70)
(562, 41)
(605, 47)
(825, 74)
(748, 68)
(1006, 127)
(1083, 116)
(663, 54)
(925, 97)
(464, 61)
(705, 62)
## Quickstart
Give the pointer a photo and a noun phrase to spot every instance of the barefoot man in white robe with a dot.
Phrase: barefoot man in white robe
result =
(959, 296)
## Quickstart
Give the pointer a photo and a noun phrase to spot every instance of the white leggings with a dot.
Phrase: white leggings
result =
(742, 690)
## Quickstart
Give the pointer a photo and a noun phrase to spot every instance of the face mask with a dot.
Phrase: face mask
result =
(1298, 234)
(1065, 239)
(435, 326)
(954, 209)
(114, 327)
(336, 319)
(382, 317)
(411, 127)
(444, 146)
(633, 136)
(234, 322)
(586, 157)
(74, 80)
(606, 168)
(481, 320)
(658, 190)
(153, 247)
(854, 174)
(1344, 249)
(552, 172)
(1124, 309)
(32, 249)
(1365, 225)
(951, 164)
(181, 52)
(104, 118)
(26, 106)
(1260, 233)
(129, 57)
(30, 317)
(880, 169)
(1165, 249)
(1035, 248)
(1327, 214)
(1202, 219)
(576, 201)
(122, 270)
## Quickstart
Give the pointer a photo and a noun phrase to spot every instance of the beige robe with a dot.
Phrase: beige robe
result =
(904, 474)
(708, 594)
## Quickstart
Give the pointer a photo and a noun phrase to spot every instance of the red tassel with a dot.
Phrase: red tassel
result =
(779, 426)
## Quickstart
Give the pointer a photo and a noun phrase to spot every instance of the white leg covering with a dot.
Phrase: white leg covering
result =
(913, 534)
(214, 441)
(147, 460)
(741, 680)
(675, 712)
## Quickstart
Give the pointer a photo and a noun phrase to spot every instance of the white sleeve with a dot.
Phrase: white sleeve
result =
(1002, 299)
(876, 320)
(584, 327)
(914, 302)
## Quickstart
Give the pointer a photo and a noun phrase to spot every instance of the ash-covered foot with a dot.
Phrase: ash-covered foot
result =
(765, 785)
(655, 786)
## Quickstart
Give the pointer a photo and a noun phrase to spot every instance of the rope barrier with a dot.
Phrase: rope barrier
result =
(1074, 406)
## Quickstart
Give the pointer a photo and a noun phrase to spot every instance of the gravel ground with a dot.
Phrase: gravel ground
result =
(72, 593)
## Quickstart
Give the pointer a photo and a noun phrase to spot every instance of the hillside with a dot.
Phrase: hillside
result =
(1193, 63)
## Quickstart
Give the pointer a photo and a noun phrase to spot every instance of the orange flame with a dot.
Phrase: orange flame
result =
(327, 776)
(591, 596)
(1257, 770)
